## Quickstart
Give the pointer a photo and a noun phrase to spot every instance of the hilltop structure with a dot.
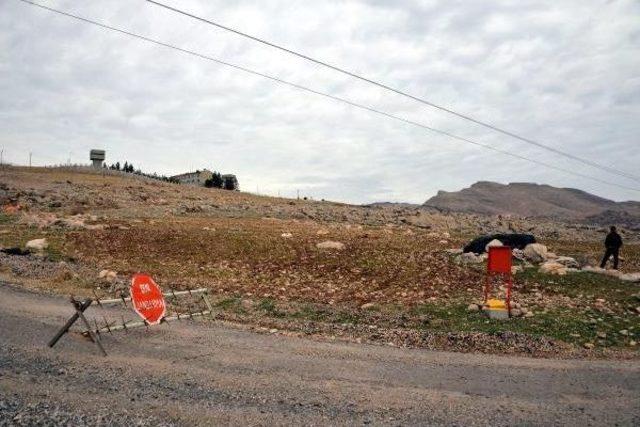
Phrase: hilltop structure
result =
(97, 157)
(193, 178)
(200, 178)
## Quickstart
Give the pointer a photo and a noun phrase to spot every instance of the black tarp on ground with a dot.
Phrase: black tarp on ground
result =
(514, 240)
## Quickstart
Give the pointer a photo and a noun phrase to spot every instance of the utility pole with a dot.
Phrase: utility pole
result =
(1, 156)
(298, 194)
(30, 158)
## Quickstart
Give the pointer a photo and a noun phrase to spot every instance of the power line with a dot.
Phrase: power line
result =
(405, 94)
(329, 96)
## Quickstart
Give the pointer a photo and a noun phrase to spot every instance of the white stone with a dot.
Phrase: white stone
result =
(286, 235)
(567, 261)
(455, 251)
(37, 244)
(108, 275)
(493, 244)
(330, 244)
(518, 254)
(473, 307)
(367, 306)
(536, 252)
(630, 277)
(468, 258)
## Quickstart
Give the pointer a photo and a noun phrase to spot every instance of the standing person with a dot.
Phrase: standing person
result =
(612, 244)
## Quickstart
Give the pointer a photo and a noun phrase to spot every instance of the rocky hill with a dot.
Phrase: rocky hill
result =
(534, 200)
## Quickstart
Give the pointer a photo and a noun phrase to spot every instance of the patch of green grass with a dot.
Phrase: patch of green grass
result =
(54, 254)
(307, 312)
(586, 284)
(228, 303)
(269, 307)
(7, 219)
(567, 325)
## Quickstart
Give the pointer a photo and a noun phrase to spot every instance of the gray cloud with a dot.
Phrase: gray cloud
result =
(564, 73)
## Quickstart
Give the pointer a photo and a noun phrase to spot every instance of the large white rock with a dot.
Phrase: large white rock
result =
(598, 270)
(493, 244)
(552, 267)
(37, 244)
(535, 252)
(330, 244)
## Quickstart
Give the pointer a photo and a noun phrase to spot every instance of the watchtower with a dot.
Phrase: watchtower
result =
(97, 157)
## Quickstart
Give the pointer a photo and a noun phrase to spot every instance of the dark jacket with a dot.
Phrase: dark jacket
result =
(613, 241)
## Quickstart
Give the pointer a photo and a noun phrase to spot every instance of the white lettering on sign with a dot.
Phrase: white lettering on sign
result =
(154, 303)
(145, 288)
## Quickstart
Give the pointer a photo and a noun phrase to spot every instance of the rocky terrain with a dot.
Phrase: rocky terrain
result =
(382, 273)
(538, 201)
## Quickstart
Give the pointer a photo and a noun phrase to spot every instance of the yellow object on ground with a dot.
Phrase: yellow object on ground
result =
(496, 304)
(496, 309)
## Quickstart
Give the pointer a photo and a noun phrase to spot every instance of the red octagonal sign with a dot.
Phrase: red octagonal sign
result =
(147, 298)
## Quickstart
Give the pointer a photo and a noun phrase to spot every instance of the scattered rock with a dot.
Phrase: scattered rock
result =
(108, 275)
(367, 306)
(589, 345)
(567, 261)
(330, 244)
(37, 244)
(535, 252)
(322, 232)
(601, 335)
(455, 251)
(518, 254)
(468, 258)
(286, 235)
(473, 308)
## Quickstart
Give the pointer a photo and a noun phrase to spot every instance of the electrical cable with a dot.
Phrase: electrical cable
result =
(326, 95)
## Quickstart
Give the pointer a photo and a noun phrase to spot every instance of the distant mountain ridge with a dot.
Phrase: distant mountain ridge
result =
(536, 200)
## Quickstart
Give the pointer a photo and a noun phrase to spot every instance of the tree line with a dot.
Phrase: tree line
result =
(129, 168)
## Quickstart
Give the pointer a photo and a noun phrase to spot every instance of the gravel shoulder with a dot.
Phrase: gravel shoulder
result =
(206, 373)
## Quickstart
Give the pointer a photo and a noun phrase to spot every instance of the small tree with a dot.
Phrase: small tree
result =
(229, 184)
(125, 167)
(117, 166)
(217, 180)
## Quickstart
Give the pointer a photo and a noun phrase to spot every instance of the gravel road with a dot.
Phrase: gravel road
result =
(208, 373)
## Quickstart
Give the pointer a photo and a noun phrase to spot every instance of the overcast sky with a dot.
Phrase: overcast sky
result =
(565, 73)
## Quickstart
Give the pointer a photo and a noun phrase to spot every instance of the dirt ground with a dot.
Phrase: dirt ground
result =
(214, 372)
